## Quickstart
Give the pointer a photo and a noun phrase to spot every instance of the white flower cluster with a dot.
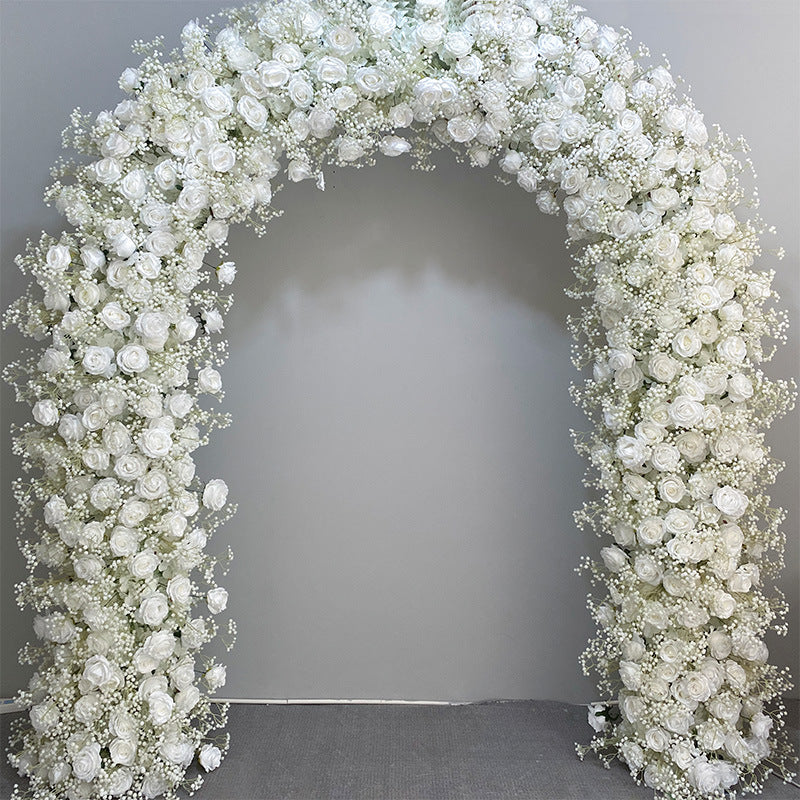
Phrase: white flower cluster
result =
(130, 312)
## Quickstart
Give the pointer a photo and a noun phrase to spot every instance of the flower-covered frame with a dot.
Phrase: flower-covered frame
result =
(130, 305)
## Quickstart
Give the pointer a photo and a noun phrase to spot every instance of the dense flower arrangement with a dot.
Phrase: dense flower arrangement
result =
(130, 305)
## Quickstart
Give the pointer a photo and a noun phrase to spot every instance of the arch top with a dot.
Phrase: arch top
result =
(129, 303)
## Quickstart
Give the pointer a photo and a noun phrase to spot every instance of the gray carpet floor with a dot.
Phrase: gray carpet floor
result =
(482, 751)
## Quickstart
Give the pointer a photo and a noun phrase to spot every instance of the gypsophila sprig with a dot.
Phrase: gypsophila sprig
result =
(129, 308)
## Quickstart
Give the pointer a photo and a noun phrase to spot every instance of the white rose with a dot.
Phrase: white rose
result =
(685, 412)
(215, 677)
(166, 174)
(665, 457)
(731, 502)
(572, 128)
(99, 673)
(722, 604)
(678, 521)
(187, 503)
(632, 451)
(342, 39)
(614, 558)
(212, 320)
(546, 137)
(719, 644)
(114, 317)
(216, 101)
(153, 609)
(430, 34)
(119, 781)
(216, 230)
(99, 361)
(732, 315)
(107, 170)
(692, 445)
(597, 717)
(198, 81)
(152, 485)
(210, 757)
(173, 524)
(58, 257)
(130, 466)
(144, 564)
(647, 569)
(177, 751)
(215, 494)
(123, 541)
(636, 486)
(122, 724)
(671, 488)
(86, 762)
(724, 225)
(193, 198)
(289, 54)
(300, 92)
(217, 600)
(133, 512)
(273, 74)
(726, 446)
(123, 751)
(221, 157)
(631, 674)
(45, 412)
(155, 442)
(527, 179)
(740, 388)
(44, 716)
(633, 755)
(370, 81)
(133, 358)
(180, 404)
(463, 128)
(624, 534)
(624, 224)
(179, 591)
(156, 215)
(760, 725)
(160, 243)
(253, 113)
(687, 343)
(657, 739)
(380, 22)
(393, 146)
(732, 349)
(651, 531)
(87, 295)
(695, 687)
(104, 494)
(160, 706)
(550, 45)
(94, 417)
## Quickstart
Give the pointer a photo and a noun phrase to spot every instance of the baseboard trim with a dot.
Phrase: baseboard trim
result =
(314, 701)
(8, 706)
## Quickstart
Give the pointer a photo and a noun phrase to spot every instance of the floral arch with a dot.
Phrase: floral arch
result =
(128, 306)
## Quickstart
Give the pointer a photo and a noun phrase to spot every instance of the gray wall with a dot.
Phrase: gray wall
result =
(398, 378)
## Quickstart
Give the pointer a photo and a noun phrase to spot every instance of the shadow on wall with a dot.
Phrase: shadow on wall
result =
(478, 222)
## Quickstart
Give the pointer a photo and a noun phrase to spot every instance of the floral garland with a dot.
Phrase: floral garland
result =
(130, 305)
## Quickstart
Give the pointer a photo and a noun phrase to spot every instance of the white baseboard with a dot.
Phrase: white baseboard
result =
(7, 705)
